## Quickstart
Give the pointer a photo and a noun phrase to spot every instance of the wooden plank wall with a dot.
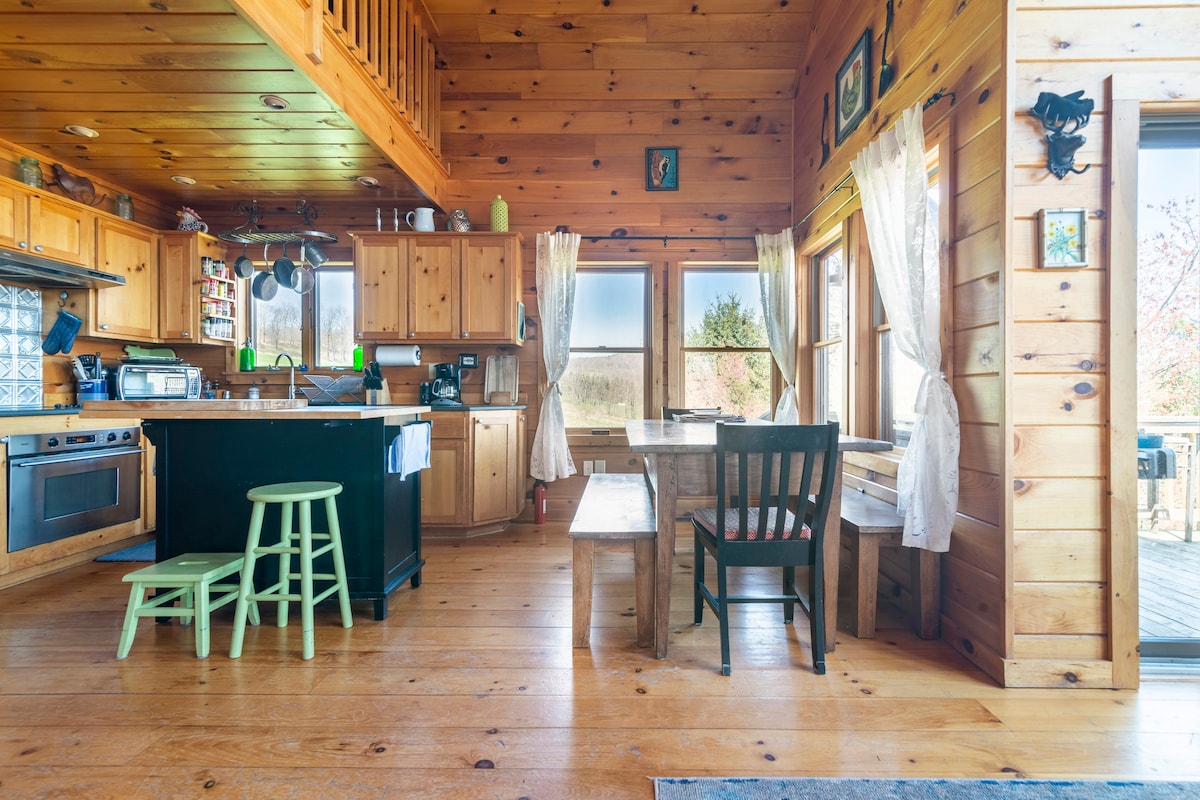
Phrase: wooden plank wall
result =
(959, 47)
(1074, 621)
(526, 117)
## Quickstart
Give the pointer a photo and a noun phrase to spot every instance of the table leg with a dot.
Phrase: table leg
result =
(832, 558)
(666, 469)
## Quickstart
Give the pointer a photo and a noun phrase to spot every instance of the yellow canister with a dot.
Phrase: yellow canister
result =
(499, 214)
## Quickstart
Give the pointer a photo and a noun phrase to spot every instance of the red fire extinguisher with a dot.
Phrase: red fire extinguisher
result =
(539, 502)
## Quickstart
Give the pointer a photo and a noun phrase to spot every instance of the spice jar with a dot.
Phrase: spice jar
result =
(124, 206)
(30, 172)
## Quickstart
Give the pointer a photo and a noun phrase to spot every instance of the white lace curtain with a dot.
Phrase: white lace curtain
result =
(892, 180)
(777, 282)
(556, 257)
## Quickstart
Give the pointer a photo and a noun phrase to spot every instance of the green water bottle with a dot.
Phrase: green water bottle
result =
(246, 357)
(358, 358)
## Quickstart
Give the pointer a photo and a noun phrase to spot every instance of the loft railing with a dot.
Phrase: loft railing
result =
(393, 41)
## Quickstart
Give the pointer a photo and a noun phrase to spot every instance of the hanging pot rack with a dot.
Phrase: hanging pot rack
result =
(251, 231)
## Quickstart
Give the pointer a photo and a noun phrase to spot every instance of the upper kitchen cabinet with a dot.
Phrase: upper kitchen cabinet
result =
(129, 311)
(438, 287)
(36, 222)
(198, 298)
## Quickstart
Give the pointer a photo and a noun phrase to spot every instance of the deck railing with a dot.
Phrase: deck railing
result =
(393, 41)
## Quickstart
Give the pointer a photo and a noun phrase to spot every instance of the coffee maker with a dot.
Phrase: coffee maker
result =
(445, 389)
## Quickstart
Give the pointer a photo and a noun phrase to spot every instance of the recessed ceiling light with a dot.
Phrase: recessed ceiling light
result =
(81, 130)
(368, 181)
(184, 179)
(274, 101)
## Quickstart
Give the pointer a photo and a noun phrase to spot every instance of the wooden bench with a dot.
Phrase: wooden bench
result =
(616, 508)
(867, 525)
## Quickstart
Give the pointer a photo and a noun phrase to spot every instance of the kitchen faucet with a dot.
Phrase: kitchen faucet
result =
(291, 374)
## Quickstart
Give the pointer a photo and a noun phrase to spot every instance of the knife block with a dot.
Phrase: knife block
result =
(379, 397)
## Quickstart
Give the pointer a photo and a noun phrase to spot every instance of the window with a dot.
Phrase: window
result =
(726, 358)
(605, 381)
(829, 335)
(900, 376)
(278, 325)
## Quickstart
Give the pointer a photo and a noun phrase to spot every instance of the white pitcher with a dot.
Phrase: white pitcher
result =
(424, 219)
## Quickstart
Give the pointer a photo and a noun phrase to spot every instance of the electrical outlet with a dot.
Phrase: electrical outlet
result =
(598, 467)
(587, 468)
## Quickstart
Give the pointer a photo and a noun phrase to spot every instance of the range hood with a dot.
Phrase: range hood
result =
(21, 267)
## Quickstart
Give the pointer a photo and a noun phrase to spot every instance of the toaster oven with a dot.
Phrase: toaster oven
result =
(155, 382)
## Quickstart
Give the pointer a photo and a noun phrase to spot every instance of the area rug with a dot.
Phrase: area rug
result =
(146, 551)
(918, 789)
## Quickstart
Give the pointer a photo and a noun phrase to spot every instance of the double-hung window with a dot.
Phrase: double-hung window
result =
(314, 328)
(726, 357)
(606, 379)
(829, 334)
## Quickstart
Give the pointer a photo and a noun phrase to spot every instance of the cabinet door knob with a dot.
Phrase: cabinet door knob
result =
(411, 334)
(37, 247)
(466, 334)
(104, 327)
(23, 245)
(186, 334)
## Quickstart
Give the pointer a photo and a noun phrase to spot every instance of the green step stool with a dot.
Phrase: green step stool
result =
(191, 577)
(293, 543)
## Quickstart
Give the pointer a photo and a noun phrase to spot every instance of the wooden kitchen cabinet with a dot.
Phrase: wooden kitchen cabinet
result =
(128, 312)
(438, 287)
(36, 222)
(471, 485)
(189, 310)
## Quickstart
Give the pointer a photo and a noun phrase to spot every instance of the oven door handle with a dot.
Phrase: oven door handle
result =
(91, 455)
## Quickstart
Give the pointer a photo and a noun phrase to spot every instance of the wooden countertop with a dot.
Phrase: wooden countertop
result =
(238, 410)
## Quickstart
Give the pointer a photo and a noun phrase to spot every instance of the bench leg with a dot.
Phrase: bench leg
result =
(583, 557)
(925, 575)
(864, 566)
(202, 611)
(643, 584)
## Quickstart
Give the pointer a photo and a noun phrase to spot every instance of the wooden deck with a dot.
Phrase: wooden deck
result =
(1168, 586)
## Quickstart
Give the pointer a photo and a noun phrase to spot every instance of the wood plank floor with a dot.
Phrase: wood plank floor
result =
(470, 689)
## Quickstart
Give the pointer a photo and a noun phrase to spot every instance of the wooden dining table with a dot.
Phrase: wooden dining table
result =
(680, 462)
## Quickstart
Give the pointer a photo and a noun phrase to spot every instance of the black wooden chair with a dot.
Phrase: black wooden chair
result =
(669, 413)
(764, 474)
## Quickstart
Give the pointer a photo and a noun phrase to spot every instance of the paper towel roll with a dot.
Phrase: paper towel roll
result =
(398, 355)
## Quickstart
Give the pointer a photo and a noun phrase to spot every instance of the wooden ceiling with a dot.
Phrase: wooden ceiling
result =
(174, 87)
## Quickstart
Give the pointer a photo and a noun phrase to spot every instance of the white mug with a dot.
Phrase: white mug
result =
(424, 219)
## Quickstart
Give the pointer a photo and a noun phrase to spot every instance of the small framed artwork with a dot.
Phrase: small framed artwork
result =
(1062, 234)
(852, 99)
(662, 169)
(468, 360)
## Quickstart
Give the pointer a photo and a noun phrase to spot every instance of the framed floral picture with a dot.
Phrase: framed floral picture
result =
(852, 99)
(1062, 233)
(662, 169)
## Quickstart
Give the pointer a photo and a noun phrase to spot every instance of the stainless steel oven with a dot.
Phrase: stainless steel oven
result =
(63, 484)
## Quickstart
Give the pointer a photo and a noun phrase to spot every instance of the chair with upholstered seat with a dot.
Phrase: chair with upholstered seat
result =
(764, 474)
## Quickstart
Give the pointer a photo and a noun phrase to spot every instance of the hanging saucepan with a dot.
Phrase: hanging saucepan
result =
(264, 286)
(283, 269)
(302, 276)
(243, 267)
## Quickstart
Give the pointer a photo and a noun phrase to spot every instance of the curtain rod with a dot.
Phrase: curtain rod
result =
(665, 239)
(933, 98)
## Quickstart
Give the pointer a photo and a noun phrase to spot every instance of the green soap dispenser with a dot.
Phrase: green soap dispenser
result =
(246, 357)
(358, 358)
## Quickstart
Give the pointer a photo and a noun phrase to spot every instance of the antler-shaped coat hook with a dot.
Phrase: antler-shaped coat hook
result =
(1056, 113)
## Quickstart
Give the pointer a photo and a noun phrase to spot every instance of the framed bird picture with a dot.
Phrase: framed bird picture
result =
(662, 169)
(852, 100)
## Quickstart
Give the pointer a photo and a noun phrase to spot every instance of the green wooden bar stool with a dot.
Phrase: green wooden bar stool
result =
(191, 577)
(293, 543)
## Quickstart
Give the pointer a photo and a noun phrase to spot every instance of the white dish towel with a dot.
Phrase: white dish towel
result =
(409, 451)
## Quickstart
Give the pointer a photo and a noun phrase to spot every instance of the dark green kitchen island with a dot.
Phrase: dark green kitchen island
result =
(209, 453)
